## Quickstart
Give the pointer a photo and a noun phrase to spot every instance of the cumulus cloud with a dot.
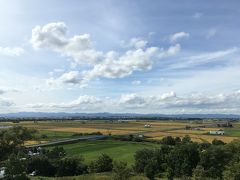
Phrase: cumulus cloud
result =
(167, 102)
(191, 101)
(169, 95)
(132, 100)
(177, 36)
(116, 66)
(109, 64)
(53, 36)
(11, 51)
(71, 78)
(136, 43)
(81, 103)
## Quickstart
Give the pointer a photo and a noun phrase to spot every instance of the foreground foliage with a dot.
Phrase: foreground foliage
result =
(173, 158)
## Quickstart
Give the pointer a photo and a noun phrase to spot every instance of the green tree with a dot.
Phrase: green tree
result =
(168, 140)
(199, 173)
(15, 168)
(161, 156)
(178, 140)
(213, 161)
(150, 169)
(71, 167)
(56, 152)
(186, 139)
(169, 173)
(121, 171)
(12, 140)
(104, 163)
(232, 172)
(183, 159)
(41, 165)
(142, 157)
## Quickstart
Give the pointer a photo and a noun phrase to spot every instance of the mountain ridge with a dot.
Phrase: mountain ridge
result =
(112, 115)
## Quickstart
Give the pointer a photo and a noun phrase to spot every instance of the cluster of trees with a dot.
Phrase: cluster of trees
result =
(131, 137)
(54, 163)
(12, 140)
(86, 134)
(19, 161)
(182, 158)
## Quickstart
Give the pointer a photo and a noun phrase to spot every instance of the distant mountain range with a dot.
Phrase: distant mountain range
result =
(113, 115)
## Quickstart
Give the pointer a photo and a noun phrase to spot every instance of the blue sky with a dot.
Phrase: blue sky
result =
(120, 56)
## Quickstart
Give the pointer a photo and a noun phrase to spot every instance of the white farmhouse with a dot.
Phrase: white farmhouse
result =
(219, 132)
(147, 125)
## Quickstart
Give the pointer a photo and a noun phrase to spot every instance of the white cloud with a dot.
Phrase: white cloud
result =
(177, 36)
(120, 66)
(136, 43)
(55, 71)
(133, 60)
(171, 94)
(188, 102)
(6, 102)
(173, 50)
(82, 103)
(11, 51)
(53, 36)
(111, 64)
(2, 91)
(71, 77)
(167, 102)
(204, 58)
(214, 55)
(132, 100)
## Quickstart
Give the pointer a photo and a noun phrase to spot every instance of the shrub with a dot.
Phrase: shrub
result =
(151, 169)
(15, 168)
(41, 165)
(142, 157)
(104, 163)
(71, 167)
(217, 142)
(121, 171)
(169, 140)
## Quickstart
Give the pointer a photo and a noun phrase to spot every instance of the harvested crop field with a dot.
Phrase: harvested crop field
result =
(198, 131)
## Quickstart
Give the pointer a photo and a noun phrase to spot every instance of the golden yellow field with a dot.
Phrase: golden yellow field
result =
(158, 129)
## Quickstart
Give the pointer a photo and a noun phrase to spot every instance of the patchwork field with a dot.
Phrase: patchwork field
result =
(51, 130)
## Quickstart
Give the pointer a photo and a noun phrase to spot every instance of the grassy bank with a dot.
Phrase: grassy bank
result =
(118, 150)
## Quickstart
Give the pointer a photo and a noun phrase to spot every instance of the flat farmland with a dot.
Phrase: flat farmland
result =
(67, 128)
(118, 150)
